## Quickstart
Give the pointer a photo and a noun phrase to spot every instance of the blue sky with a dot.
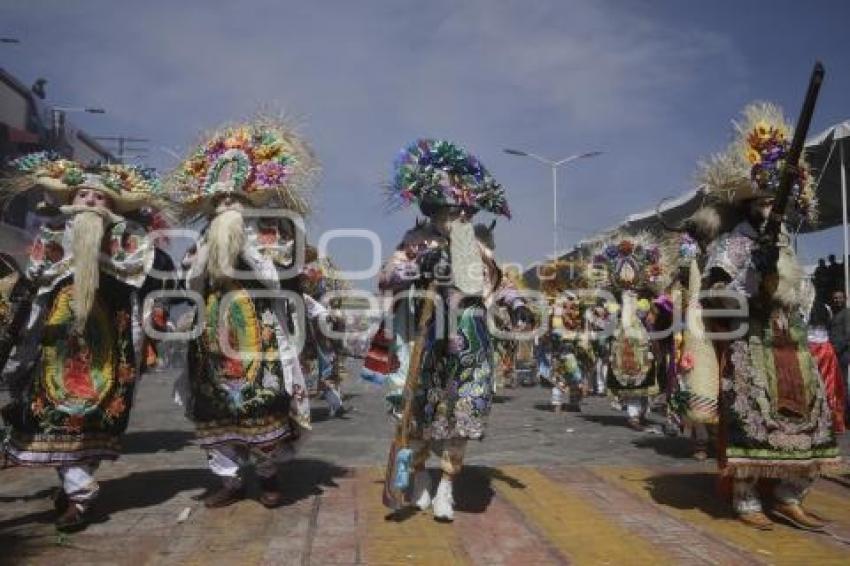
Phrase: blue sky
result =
(652, 84)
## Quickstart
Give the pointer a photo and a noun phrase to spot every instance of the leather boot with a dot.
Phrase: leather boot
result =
(71, 520)
(794, 514)
(270, 493)
(757, 520)
(60, 501)
(224, 496)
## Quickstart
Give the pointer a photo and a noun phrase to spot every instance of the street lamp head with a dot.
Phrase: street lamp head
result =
(590, 154)
(515, 152)
(77, 109)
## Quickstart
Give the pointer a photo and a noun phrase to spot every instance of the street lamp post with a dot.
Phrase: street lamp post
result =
(554, 166)
(57, 120)
(57, 114)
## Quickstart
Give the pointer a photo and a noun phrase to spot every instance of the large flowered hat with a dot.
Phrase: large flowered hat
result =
(751, 166)
(129, 188)
(259, 161)
(628, 263)
(439, 173)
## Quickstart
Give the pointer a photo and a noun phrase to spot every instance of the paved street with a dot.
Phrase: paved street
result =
(542, 489)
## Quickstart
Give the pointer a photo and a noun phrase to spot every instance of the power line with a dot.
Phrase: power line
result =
(123, 150)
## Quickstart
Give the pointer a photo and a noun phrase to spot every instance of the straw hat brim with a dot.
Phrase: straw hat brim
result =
(122, 201)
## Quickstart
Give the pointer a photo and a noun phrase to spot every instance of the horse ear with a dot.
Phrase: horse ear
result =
(492, 225)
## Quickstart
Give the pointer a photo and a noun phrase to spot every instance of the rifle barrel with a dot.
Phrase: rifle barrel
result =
(789, 170)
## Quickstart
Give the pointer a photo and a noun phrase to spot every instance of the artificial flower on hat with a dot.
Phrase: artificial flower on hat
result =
(628, 263)
(751, 166)
(438, 173)
(259, 161)
(129, 188)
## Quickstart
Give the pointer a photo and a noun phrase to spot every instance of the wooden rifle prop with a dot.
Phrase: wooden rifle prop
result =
(790, 170)
(400, 460)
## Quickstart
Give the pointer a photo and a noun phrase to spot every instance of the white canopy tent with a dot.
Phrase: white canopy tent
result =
(829, 158)
(829, 155)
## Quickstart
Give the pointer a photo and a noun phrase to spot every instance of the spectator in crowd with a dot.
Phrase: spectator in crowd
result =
(829, 368)
(821, 281)
(839, 329)
(835, 271)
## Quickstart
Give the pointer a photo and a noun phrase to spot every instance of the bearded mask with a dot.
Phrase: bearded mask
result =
(88, 227)
(226, 237)
(467, 265)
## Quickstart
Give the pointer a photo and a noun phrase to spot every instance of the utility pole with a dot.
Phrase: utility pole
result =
(554, 166)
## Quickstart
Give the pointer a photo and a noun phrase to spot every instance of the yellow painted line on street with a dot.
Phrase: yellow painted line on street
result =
(833, 504)
(691, 498)
(571, 523)
(416, 539)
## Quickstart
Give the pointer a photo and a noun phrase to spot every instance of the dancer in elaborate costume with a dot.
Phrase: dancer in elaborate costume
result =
(775, 417)
(452, 399)
(691, 394)
(568, 379)
(631, 267)
(247, 395)
(77, 357)
(598, 321)
(323, 356)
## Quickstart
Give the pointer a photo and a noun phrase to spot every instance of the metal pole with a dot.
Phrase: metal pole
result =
(555, 215)
(844, 217)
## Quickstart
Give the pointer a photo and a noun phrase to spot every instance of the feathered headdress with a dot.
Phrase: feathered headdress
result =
(129, 188)
(440, 173)
(259, 161)
(752, 164)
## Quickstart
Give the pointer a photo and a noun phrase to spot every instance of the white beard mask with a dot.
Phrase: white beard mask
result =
(108, 216)
(467, 265)
(226, 237)
(88, 229)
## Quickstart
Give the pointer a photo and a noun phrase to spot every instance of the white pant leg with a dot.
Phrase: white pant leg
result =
(745, 496)
(267, 462)
(79, 484)
(557, 396)
(635, 407)
(333, 397)
(226, 461)
(792, 491)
